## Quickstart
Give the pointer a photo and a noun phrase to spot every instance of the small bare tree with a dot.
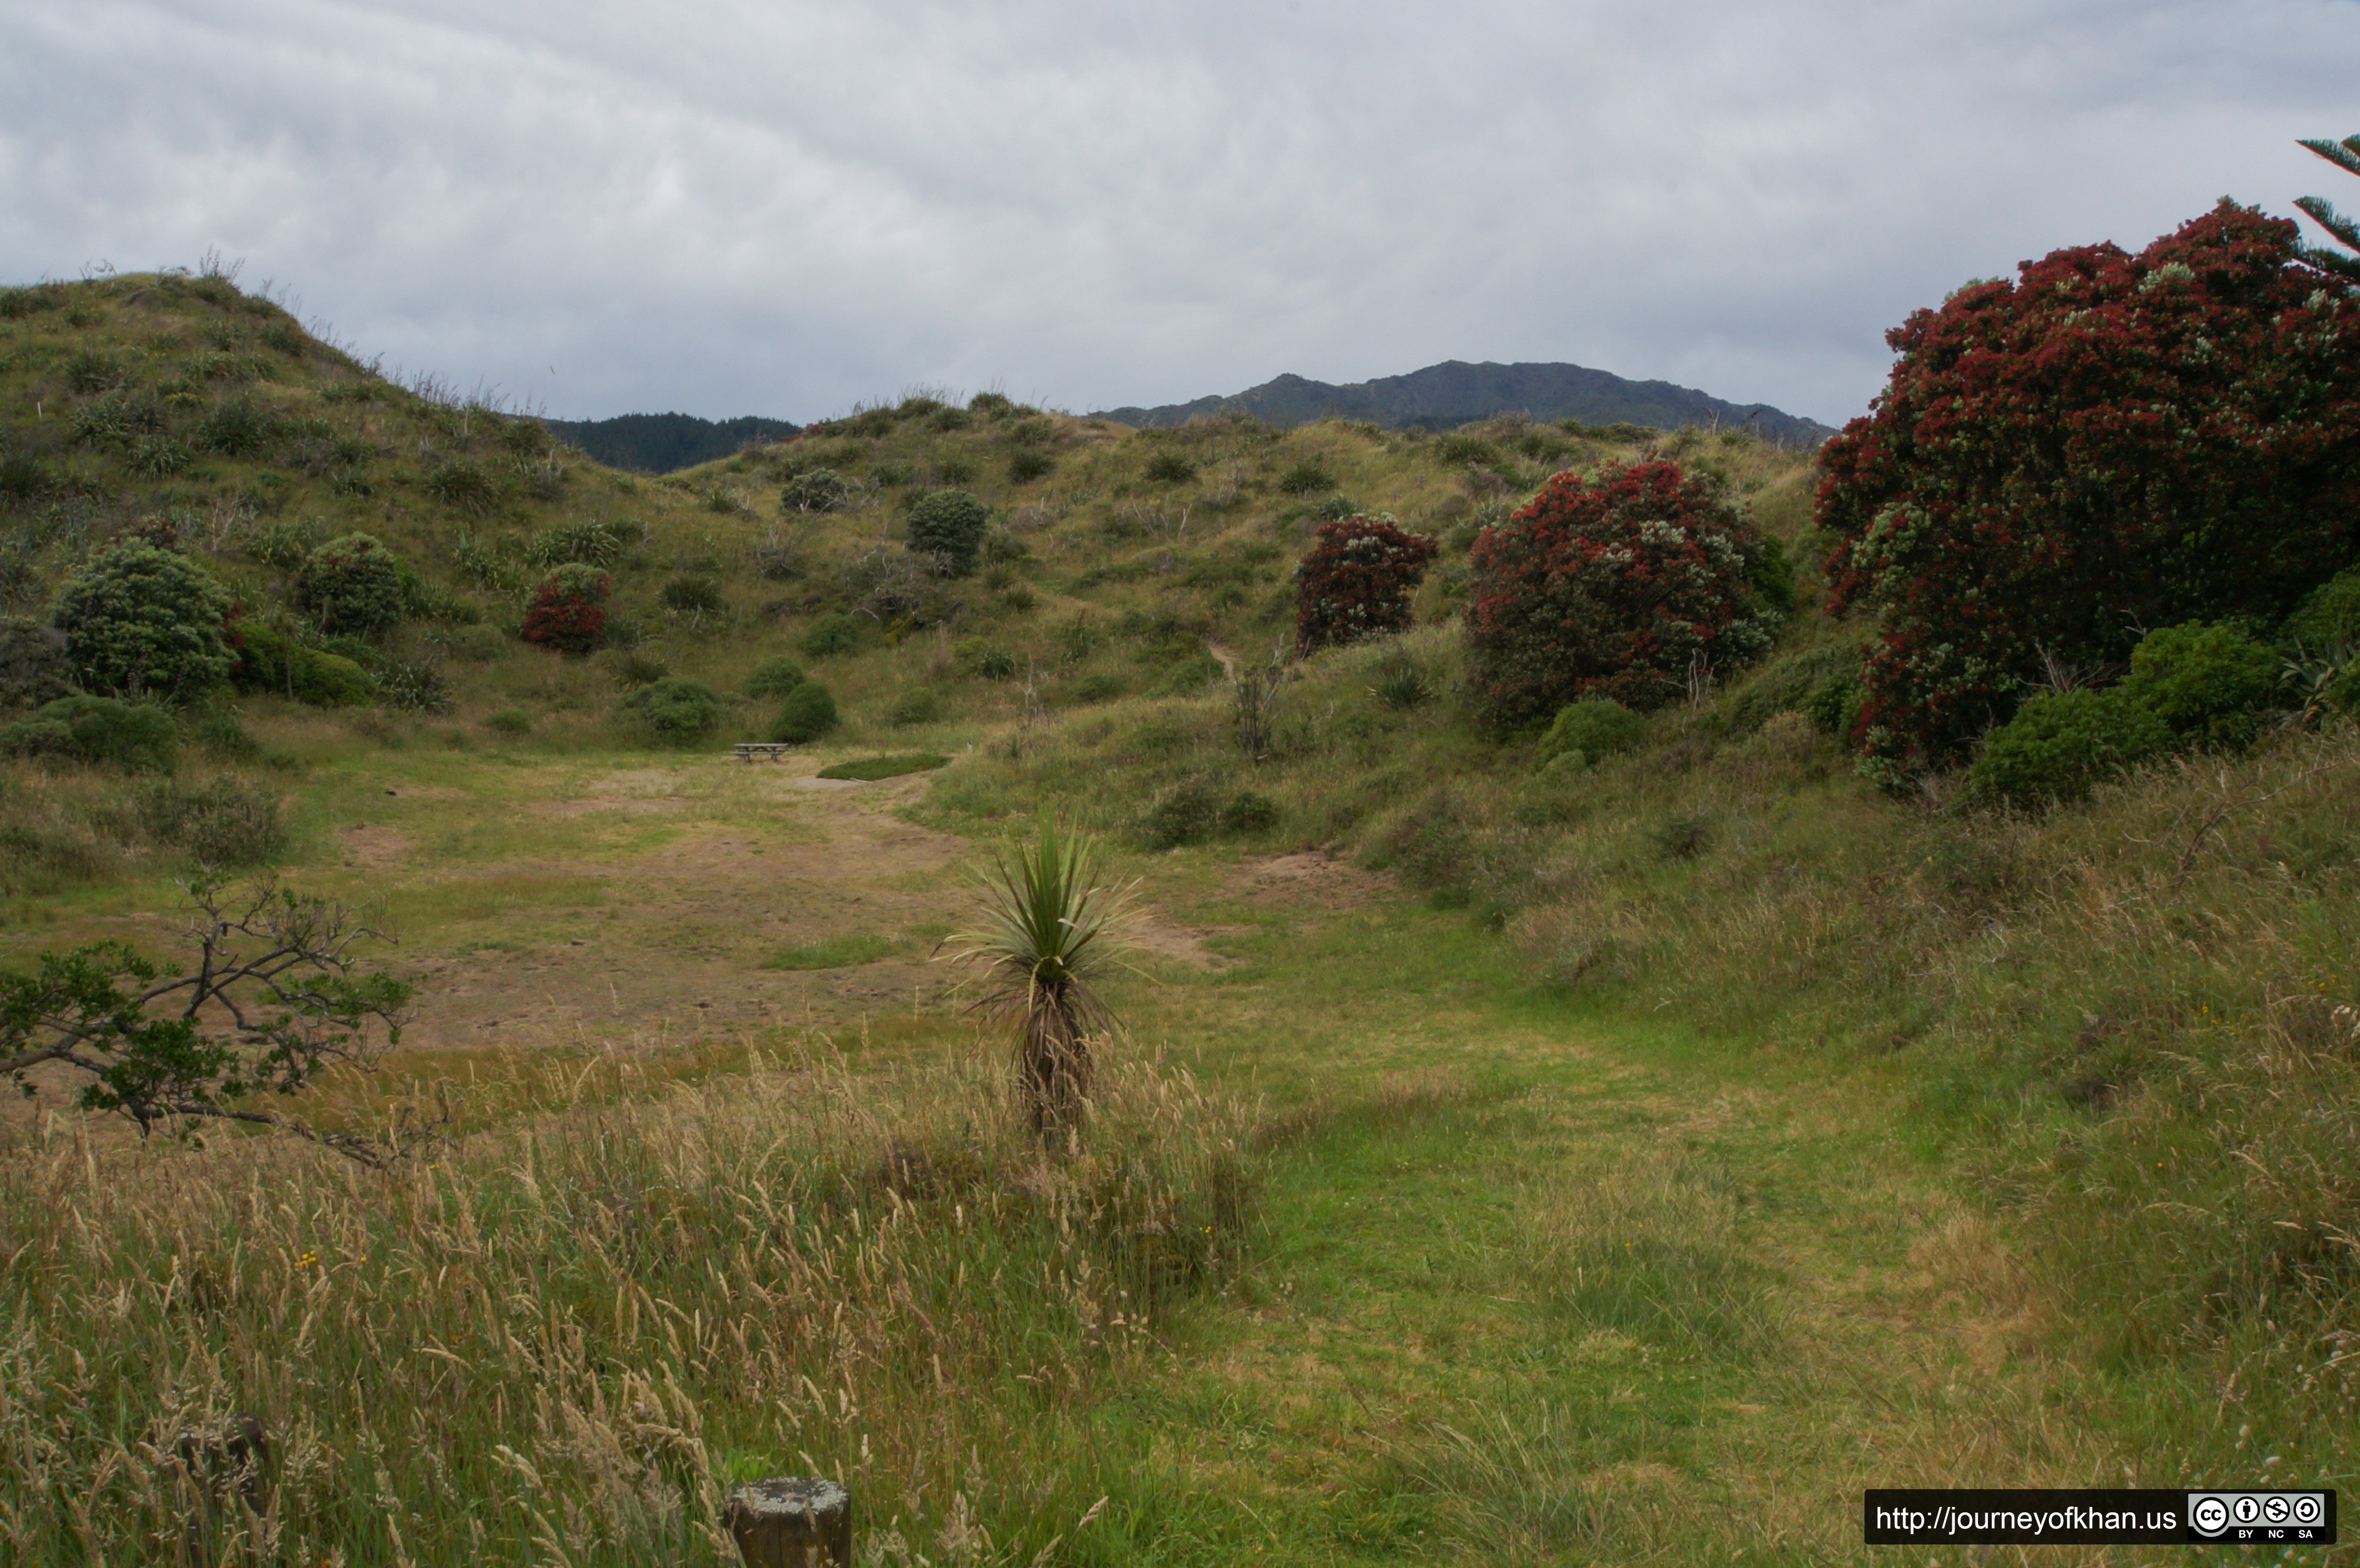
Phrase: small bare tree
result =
(274, 999)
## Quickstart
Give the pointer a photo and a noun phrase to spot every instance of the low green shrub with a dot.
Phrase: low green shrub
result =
(510, 722)
(918, 705)
(2329, 619)
(268, 661)
(465, 489)
(1401, 682)
(774, 677)
(1187, 812)
(869, 769)
(1247, 813)
(352, 585)
(33, 664)
(1170, 468)
(413, 686)
(814, 490)
(949, 525)
(1305, 478)
(830, 636)
(1596, 727)
(674, 710)
(2060, 746)
(217, 730)
(986, 659)
(1027, 463)
(691, 593)
(224, 823)
(1815, 681)
(143, 622)
(137, 737)
(640, 666)
(2209, 684)
(1099, 686)
(808, 714)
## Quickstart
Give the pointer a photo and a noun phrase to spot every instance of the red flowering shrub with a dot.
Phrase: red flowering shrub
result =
(566, 615)
(2110, 442)
(1616, 587)
(1356, 582)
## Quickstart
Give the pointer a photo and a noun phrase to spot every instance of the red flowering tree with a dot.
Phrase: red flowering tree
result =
(568, 614)
(2110, 442)
(1356, 582)
(1620, 586)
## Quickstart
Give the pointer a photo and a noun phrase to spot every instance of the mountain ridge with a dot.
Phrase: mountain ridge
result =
(1457, 392)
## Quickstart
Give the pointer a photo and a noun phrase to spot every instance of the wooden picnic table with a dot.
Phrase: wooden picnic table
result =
(769, 751)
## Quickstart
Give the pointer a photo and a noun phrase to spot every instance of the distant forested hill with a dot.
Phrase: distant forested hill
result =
(658, 443)
(1456, 393)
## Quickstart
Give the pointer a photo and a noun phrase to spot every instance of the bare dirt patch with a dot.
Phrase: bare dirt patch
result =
(1311, 878)
(372, 848)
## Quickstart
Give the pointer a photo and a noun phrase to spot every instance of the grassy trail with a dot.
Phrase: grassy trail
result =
(1533, 1286)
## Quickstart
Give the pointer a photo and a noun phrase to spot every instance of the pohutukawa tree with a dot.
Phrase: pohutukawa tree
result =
(1356, 582)
(1051, 925)
(568, 613)
(1633, 585)
(274, 995)
(2108, 443)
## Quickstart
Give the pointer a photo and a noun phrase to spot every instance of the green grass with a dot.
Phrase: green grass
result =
(869, 769)
(834, 952)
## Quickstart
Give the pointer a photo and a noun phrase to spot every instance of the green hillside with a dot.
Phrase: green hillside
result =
(1517, 1155)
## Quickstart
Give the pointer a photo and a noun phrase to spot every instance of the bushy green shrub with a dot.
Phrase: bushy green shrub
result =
(2209, 684)
(949, 525)
(985, 657)
(918, 705)
(2328, 618)
(639, 666)
(1804, 682)
(1596, 727)
(270, 661)
(808, 714)
(829, 636)
(237, 427)
(141, 622)
(1305, 478)
(413, 686)
(674, 710)
(33, 665)
(1170, 468)
(465, 489)
(774, 677)
(223, 822)
(1100, 686)
(814, 490)
(1249, 812)
(137, 737)
(510, 722)
(691, 592)
(1187, 812)
(217, 730)
(1027, 463)
(352, 584)
(2060, 746)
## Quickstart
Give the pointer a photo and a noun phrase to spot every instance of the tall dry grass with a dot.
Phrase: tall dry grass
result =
(562, 1339)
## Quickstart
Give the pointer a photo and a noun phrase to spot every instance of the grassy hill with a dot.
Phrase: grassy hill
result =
(1507, 1165)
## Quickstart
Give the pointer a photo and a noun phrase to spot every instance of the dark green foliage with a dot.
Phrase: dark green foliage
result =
(1772, 574)
(1814, 682)
(137, 737)
(270, 661)
(1460, 450)
(1098, 687)
(1432, 848)
(591, 542)
(674, 710)
(658, 443)
(808, 714)
(1683, 835)
(1027, 463)
(236, 426)
(223, 822)
(465, 489)
(2344, 263)
(774, 677)
(829, 636)
(693, 594)
(33, 665)
(1170, 468)
(989, 659)
(1402, 681)
(949, 525)
(22, 477)
(2060, 746)
(2328, 618)
(413, 686)
(1187, 812)
(2209, 684)
(869, 769)
(814, 490)
(217, 730)
(1247, 813)
(1305, 478)
(353, 585)
(510, 722)
(639, 666)
(143, 622)
(954, 468)
(1597, 727)
(89, 370)
(918, 705)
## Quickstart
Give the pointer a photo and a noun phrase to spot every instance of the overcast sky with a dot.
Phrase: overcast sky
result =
(781, 208)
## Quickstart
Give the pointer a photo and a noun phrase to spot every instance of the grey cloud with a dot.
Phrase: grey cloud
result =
(731, 208)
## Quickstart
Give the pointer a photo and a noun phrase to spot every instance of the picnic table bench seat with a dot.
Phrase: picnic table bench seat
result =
(767, 750)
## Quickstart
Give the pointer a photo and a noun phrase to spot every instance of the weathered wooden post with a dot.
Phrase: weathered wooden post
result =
(791, 1521)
